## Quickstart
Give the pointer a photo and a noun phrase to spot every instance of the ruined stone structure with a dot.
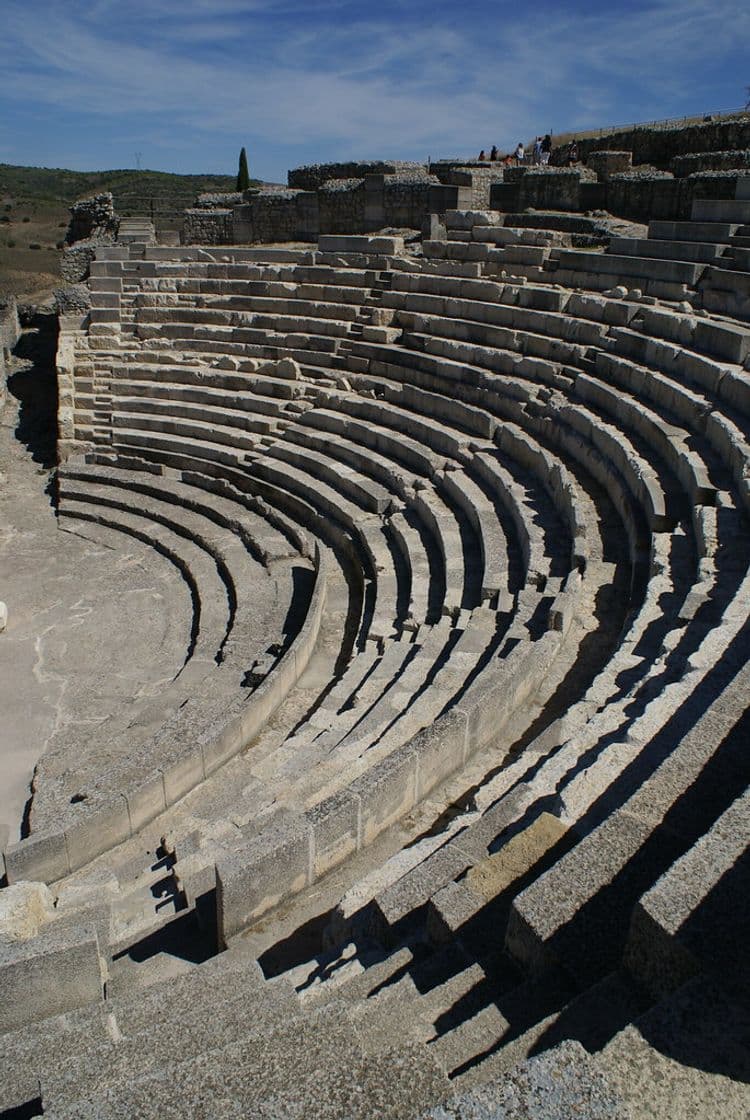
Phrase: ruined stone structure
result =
(442, 794)
(357, 198)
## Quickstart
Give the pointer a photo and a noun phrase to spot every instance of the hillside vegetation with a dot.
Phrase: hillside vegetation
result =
(54, 184)
(34, 204)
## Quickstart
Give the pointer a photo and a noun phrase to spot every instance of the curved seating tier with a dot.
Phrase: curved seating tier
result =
(246, 623)
(502, 528)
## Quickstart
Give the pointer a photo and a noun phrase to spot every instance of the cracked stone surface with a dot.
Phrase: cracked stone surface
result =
(61, 672)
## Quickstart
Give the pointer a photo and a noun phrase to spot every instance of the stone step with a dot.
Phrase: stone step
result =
(718, 232)
(727, 211)
(667, 249)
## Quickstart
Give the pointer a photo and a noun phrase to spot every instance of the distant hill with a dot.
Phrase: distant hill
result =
(58, 185)
(34, 203)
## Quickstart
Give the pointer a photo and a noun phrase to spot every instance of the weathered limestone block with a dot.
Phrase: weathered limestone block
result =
(607, 163)
(290, 369)
(273, 866)
(24, 909)
(55, 972)
(386, 246)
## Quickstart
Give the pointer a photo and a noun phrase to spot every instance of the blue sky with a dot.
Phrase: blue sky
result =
(87, 84)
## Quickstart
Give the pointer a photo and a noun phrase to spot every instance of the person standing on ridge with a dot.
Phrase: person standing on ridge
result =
(493, 153)
(546, 149)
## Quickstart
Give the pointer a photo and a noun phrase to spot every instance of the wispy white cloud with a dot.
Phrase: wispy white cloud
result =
(336, 80)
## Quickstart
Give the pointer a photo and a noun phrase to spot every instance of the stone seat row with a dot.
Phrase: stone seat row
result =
(724, 515)
(618, 760)
(681, 456)
(303, 1054)
(704, 518)
(389, 439)
(566, 315)
(459, 490)
(716, 272)
(545, 931)
(337, 503)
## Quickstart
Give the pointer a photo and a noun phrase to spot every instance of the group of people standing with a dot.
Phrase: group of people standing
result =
(539, 156)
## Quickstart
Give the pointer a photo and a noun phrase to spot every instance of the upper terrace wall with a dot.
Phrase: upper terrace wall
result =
(633, 195)
(658, 146)
(313, 175)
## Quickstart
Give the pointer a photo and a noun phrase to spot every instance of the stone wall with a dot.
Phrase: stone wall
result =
(268, 217)
(345, 206)
(607, 163)
(479, 178)
(93, 223)
(212, 200)
(658, 146)
(312, 176)
(542, 188)
(406, 200)
(93, 218)
(207, 227)
(636, 195)
(341, 206)
(710, 161)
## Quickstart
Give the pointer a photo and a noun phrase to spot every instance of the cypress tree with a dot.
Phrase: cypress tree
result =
(243, 175)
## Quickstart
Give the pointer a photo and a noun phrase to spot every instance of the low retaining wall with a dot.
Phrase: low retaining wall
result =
(710, 161)
(633, 195)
